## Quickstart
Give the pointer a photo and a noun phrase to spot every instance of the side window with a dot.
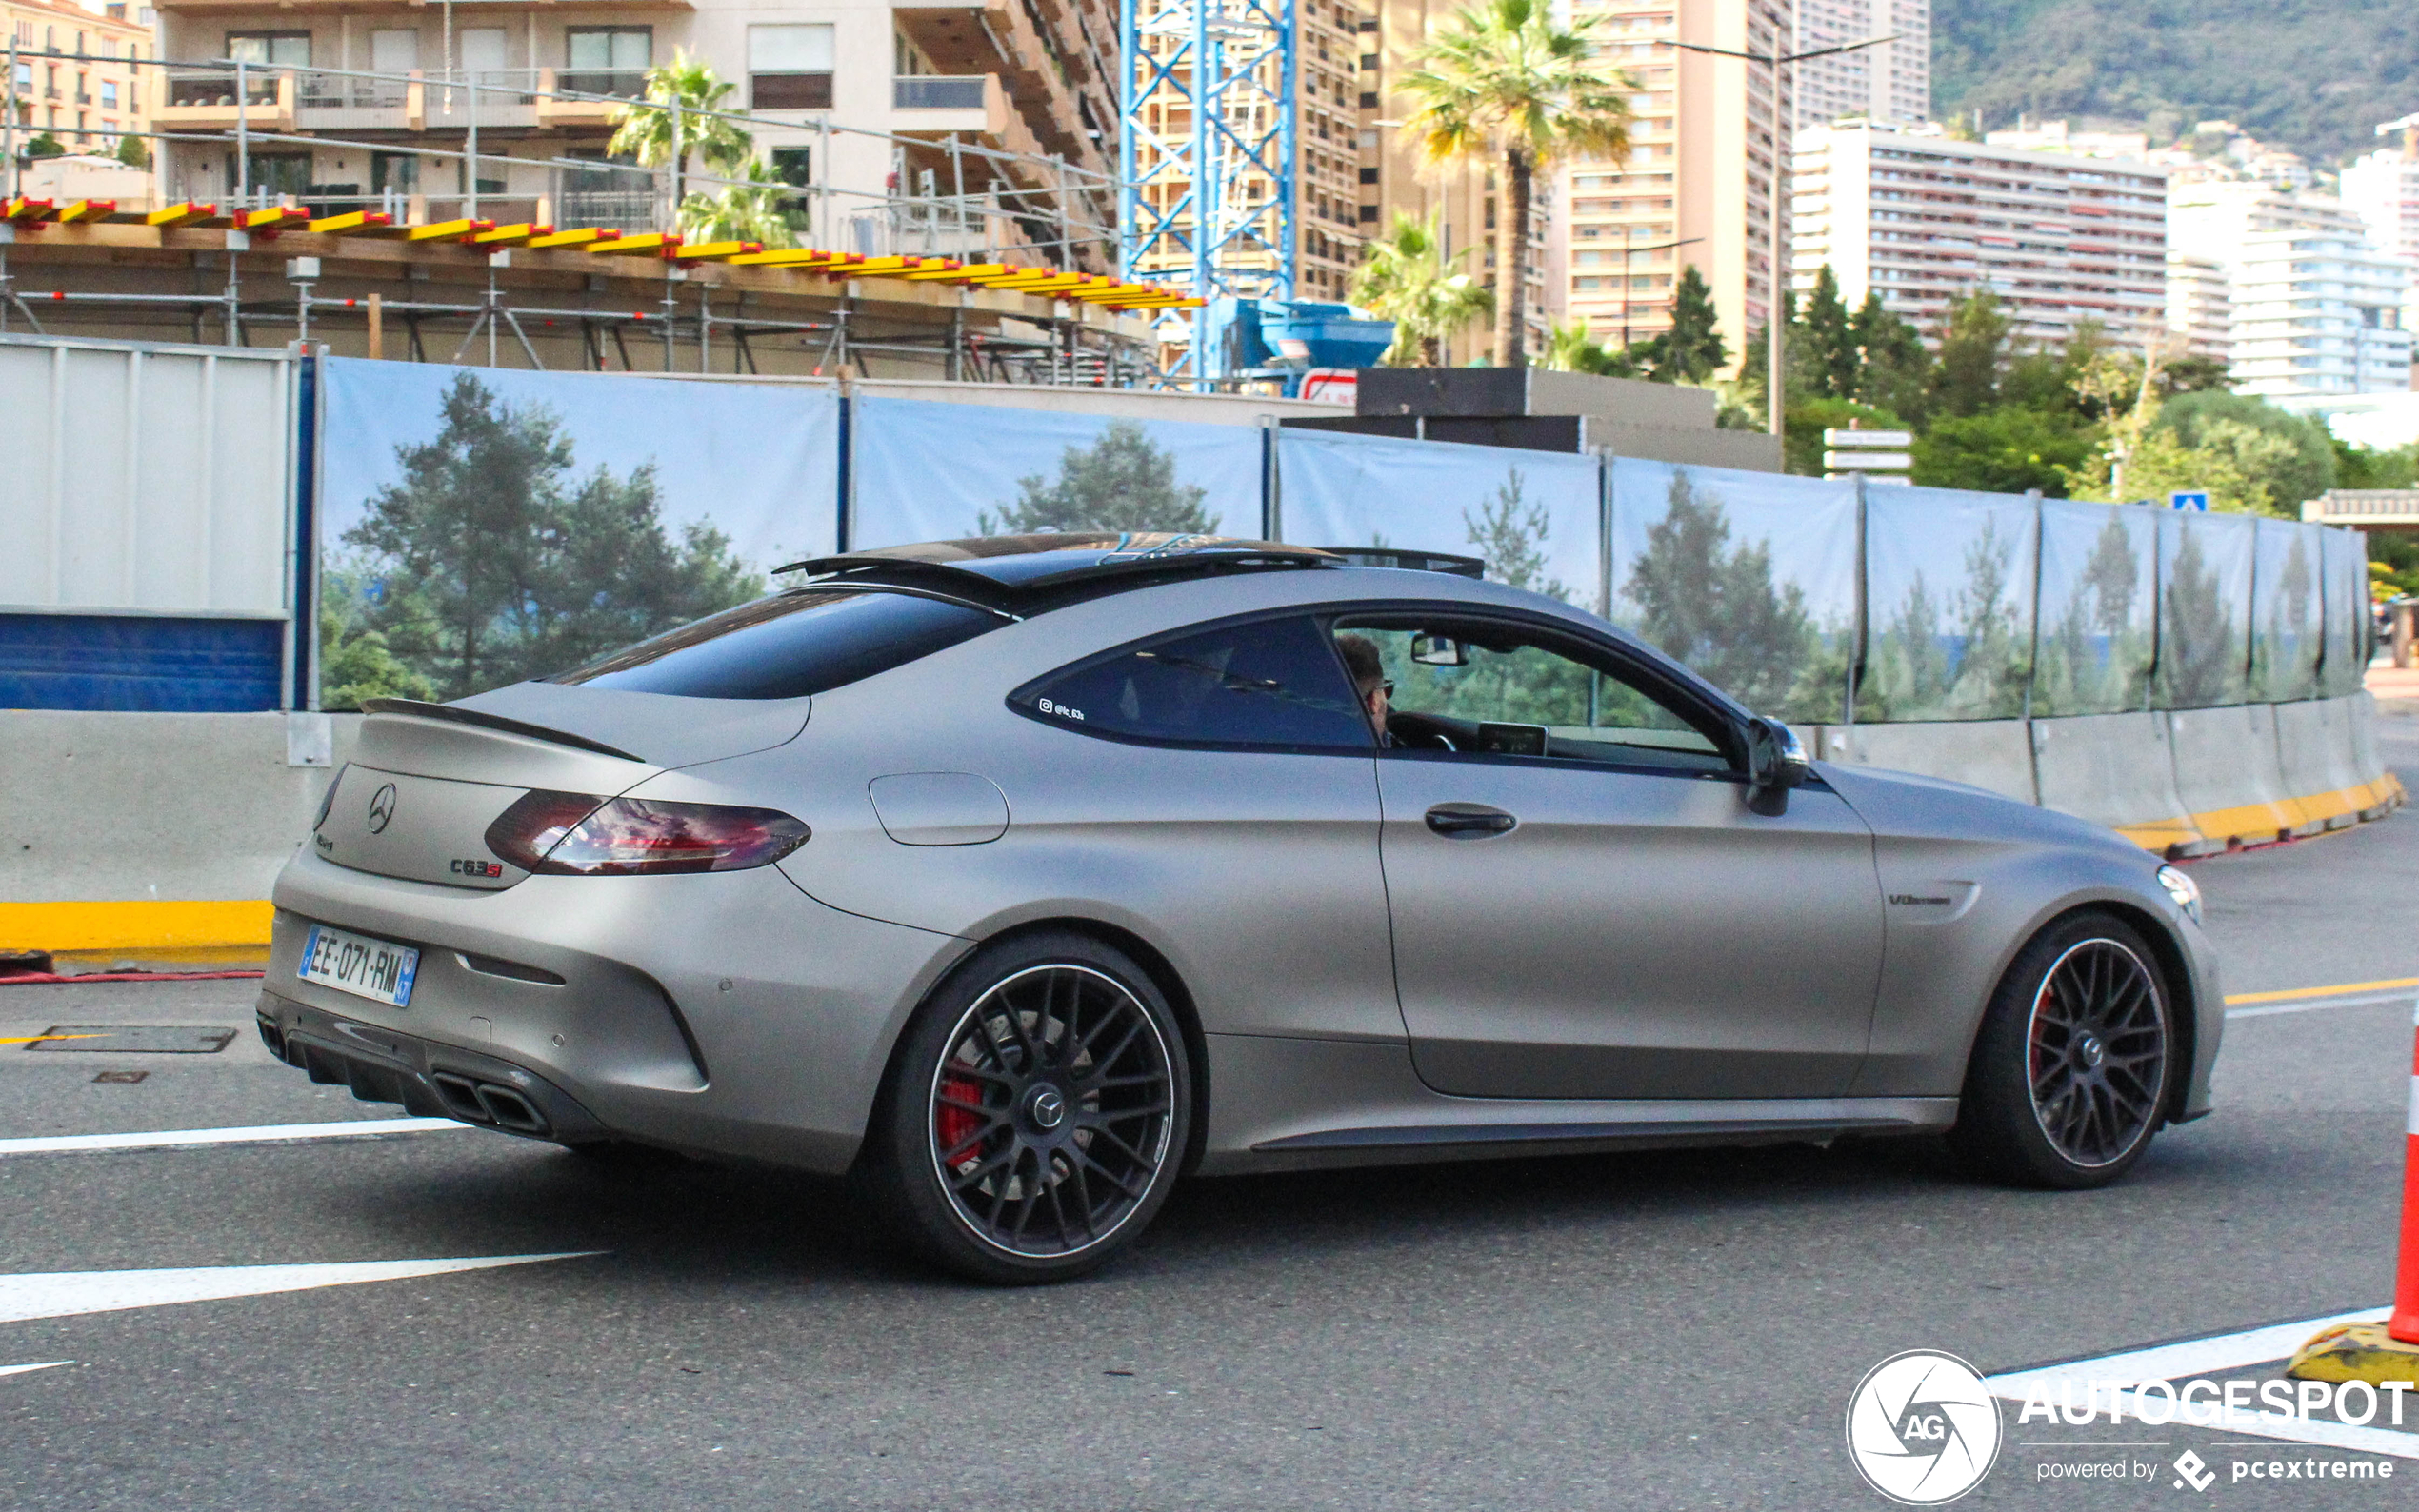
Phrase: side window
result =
(1271, 682)
(1485, 688)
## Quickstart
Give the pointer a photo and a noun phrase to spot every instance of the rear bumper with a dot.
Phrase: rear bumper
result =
(428, 1079)
(724, 1013)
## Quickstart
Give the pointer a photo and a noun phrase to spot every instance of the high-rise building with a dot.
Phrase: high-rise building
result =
(1706, 144)
(1463, 197)
(2383, 189)
(2200, 306)
(1891, 82)
(2318, 312)
(76, 75)
(387, 87)
(1924, 219)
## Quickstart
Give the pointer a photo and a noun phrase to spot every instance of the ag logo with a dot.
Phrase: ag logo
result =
(382, 809)
(1923, 1428)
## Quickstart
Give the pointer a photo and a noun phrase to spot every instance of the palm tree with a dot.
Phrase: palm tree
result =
(675, 118)
(1503, 84)
(759, 210)
(1406, 277)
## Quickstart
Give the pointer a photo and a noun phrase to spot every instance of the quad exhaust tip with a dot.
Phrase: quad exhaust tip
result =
(476, 1102)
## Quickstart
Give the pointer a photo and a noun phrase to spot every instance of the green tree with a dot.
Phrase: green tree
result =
(1121, 481)
(358, 665)
(498, 572)
(1716, 605)
(132, 153)
(1502, 84)
(761, 210)
(1834, 362)
(1571, 348)
(1692, 350)
(45, 145)
(1406, 277)
(1894, 365)
(2005, 449)
(2300, 466)
(679, 117)
(1973, 342)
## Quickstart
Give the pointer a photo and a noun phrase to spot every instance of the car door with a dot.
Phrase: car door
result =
(1584, 903)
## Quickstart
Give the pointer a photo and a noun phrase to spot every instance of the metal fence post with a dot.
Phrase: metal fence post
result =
(243, 135)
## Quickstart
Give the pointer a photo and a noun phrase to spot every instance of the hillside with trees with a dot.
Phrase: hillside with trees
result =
(2312, 75)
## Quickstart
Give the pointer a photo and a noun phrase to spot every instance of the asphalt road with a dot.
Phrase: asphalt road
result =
(1636, 1331)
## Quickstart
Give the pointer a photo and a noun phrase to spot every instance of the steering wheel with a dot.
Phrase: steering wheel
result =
(1419, 731)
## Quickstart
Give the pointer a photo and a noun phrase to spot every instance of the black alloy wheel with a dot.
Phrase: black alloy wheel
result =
(2098, 1052)
(1036, 1114)
(2072, 1071)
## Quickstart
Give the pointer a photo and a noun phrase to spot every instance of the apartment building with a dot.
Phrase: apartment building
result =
(1706, 146)
(388, 80)
(2200, 306)
(2318, 312)
(1891, 81)
(1923, 219)
(1463, 198)
(1330, 102)
(76, 74)
(2382, 188)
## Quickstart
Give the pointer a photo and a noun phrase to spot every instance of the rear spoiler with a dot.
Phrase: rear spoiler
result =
(457, 715)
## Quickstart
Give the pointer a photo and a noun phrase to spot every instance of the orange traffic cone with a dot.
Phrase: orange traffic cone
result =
(2373, 1352)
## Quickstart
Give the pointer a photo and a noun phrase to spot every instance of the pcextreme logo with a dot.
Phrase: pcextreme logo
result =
(1923, 1428)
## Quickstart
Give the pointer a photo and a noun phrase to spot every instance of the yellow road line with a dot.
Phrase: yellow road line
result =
(39, 1037)
(2343, 990)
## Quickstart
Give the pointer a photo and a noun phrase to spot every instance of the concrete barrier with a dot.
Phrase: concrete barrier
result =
(1994, 754)
(2227, 774)
(2316, 748)
(2118, 770)
(154, 835)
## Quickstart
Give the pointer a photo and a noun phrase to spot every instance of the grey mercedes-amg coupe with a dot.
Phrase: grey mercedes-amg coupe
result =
(1020, 876)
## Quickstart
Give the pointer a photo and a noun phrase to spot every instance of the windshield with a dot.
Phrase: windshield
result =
(796, 643)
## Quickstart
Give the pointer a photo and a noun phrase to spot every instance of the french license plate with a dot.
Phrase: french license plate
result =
(375, 969)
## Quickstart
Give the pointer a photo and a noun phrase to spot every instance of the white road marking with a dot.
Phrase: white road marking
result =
(68, 1293)
(162, 1139)
(2220, 1354)
(46, 1364)
(2271, 1010)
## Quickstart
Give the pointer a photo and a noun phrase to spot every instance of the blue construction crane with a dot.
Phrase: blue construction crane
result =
(1206, 194)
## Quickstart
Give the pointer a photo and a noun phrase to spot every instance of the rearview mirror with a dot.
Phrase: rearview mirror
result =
(1437, 650)
(1775, 761)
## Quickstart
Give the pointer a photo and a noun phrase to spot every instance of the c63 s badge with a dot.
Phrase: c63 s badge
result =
(470, 866)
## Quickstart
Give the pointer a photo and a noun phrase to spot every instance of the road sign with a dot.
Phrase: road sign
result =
(2197, 502)
(1898, 439)
(1870, 460)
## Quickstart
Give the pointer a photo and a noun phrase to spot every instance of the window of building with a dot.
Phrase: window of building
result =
(272, 173)
(399, 171)
(793, 165)
(1265, 683)
(789, 67)
(283, 49)
(394, 49)
(607, 60)
(109, 95)
(481, 51)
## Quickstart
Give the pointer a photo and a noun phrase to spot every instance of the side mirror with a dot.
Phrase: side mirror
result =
(1437, 650)
(1775, 761)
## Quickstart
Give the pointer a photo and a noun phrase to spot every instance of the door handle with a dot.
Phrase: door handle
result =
(1469, 820)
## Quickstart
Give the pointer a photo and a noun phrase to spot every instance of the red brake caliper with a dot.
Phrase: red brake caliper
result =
(954, 1125)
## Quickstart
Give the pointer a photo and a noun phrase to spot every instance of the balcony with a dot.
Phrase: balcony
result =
(1041, 72)
(974, 105)
(615, 85)
(936, 92)
(204, 99)
(330, 102)
(487, 96)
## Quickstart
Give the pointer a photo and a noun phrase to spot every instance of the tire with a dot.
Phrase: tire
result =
(2072, 1071)
(1034, 1115)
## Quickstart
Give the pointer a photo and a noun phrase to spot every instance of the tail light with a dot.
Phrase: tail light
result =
(578, 835)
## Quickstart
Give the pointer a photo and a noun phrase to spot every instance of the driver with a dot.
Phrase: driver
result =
(1368, 679)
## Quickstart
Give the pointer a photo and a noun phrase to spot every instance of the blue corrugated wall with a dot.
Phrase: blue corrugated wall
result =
(140, 662)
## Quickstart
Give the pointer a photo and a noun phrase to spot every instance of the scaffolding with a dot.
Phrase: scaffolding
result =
(1206, 157)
